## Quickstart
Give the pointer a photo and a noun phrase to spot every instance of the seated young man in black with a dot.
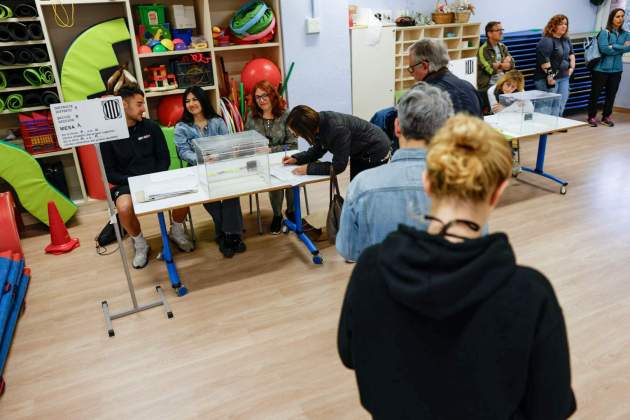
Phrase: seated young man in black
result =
(143, 152)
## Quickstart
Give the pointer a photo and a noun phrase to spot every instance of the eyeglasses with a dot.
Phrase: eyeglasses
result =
(498, 30)
(410, 68)
(261, 97)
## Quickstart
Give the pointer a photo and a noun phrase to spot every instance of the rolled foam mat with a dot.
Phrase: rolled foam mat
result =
(7, 58)
(40, 55)
(18, 31)
(1, 104)
(47, 75)
(25, 10)
(35, 32)
(3, 80)
(49, 97)
(32, 99)
(24, 56)
(5, 35)
(14, 102)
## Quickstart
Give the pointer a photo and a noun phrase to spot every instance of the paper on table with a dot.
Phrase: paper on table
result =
(174, 187)
(285, 173)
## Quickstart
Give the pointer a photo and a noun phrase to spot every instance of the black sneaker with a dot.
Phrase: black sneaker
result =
(235, 243)
(607, 121)
(224, 247)
(276, 225)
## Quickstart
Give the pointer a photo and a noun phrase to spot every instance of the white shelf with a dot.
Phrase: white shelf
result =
(20, 43)
(246, 47)
(169, 53)
(21, 19)
(150, 94)
(24, 66)
(51, 154)
(21, 88)
(33, 108)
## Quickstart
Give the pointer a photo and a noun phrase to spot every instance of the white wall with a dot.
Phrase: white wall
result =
(322, 78)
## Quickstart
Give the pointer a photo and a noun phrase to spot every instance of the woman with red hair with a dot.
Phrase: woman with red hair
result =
(268, 116)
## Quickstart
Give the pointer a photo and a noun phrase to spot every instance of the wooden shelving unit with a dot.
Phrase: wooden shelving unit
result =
(9, 119)
(461, 39)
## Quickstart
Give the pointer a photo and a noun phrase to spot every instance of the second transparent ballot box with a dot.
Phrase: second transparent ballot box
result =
(233, 163)
(533, 109)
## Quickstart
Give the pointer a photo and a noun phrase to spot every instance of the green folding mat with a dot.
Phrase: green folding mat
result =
(22, 171)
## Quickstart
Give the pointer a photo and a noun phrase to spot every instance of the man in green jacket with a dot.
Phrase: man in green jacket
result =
(493, 58)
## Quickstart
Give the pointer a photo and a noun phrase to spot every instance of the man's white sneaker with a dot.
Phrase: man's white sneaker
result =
(179, 237)
(141, 256)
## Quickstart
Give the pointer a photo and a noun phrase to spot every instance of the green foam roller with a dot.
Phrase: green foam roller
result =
(46, 75)
(14, 102)
(1, 105)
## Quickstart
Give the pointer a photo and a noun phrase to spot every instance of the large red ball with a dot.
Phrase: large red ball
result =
(170, 110)
(260, 69)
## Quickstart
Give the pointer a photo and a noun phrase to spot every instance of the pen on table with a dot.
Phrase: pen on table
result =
(285, 150)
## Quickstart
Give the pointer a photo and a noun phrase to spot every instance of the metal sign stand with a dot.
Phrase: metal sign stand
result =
(123, 255)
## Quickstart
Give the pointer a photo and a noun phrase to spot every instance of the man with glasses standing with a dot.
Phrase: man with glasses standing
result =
(493, 58)
(428, 62)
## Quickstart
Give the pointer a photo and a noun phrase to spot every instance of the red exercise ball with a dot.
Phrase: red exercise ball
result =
(170, 110)
(260, 69)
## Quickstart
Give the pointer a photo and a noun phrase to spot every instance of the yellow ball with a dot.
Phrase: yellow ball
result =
(168, 44)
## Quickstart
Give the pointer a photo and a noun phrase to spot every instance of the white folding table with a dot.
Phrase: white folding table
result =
(138, 184)
(540, 125)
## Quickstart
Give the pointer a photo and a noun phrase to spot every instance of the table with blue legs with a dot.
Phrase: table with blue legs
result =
(540, 125)
(138, 184)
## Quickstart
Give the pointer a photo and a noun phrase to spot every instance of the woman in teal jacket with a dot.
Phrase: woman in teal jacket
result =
(613, 42)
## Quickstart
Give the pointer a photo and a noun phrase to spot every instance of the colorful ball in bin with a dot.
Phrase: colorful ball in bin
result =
(168, 44)
(158, 48)
(152, 43)
(144, 49)
(260, 69)
(178, 41)
(170, 110)
(180, 46)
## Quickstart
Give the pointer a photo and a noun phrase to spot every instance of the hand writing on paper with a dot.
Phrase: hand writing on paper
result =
(300, 170)
(288, 160)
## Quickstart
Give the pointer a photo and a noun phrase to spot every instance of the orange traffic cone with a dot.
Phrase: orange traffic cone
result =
(61, 242)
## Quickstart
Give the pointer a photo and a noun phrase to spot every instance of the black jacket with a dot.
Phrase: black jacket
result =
(143, 152)
(346, 137)
(463, 94)
(438, 330)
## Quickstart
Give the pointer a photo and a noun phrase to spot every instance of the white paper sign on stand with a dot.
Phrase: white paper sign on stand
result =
(96, 121)
(89, 122)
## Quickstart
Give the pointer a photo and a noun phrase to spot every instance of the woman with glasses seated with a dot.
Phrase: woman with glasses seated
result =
(268, 116)
(346, 137)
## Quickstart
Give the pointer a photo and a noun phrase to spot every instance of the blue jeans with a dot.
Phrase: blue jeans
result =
(561, 87)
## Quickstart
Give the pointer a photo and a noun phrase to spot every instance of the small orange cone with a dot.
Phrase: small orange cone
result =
(61, 242)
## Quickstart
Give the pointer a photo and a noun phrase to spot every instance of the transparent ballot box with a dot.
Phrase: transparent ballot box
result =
(527, 111)
(232, 164)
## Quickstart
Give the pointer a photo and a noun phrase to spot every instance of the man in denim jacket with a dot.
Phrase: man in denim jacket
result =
(381, 198)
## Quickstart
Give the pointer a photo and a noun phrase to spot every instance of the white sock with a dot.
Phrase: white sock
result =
(139, 241)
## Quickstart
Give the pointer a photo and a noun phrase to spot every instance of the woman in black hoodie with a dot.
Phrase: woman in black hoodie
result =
(443, 324)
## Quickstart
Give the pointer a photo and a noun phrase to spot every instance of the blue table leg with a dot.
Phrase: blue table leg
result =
(540, 165)
(298, 229)
(168, 259)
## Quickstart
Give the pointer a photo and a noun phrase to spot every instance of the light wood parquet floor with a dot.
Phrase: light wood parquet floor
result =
(256, 336)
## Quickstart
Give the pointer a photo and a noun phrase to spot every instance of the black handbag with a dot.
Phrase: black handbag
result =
(334, 208)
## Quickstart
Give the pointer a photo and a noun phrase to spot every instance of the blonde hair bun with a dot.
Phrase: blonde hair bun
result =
(467, 159)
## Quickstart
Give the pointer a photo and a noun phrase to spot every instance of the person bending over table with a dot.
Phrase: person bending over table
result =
(347, 137)
(444, 324)
(268, 117)
(143, 152)
(201, 120)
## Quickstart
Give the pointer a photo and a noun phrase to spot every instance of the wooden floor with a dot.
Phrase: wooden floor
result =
(256, 336)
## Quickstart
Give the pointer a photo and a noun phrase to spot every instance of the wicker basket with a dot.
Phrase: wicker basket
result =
(462, 17)
(442, 18)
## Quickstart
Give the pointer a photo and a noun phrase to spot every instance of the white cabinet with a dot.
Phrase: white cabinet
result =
(465, 68)
(372, 70)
